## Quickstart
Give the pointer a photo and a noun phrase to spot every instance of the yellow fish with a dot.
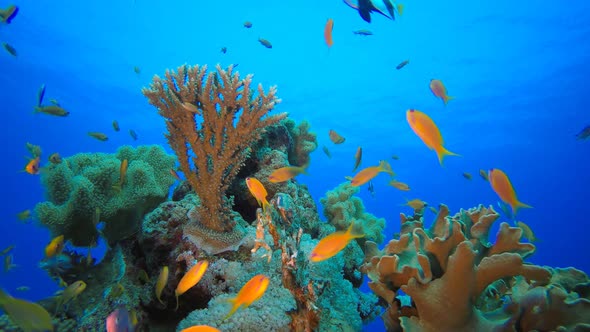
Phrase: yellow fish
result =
(250, 292)
(399, 185)
(71, 292)
(191, 278)
(27, 315)
(258, 191)
(26, 214)
(55, 247)
(162, 280)
(426, 129)
(503, 188)
(333, 244)
(366, 174)
(416, 204)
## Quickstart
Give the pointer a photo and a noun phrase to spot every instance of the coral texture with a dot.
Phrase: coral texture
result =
(458, 281)
(212, 120)
(83, 183)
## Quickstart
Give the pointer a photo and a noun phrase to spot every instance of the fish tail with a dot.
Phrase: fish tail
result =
(352, 235)
(386, 167)
(520, 205)
(447, 98)
(442, 152)
(265, 205)
(37, 109)
(234, 308)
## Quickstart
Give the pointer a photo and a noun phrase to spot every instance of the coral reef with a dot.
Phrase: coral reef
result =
(83, 183)
(212, 120)
(448, 269)
(341, 208)
(305, 142)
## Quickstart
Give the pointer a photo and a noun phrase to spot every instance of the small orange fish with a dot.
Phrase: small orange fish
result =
(428, 132)
(328, 32)
(366, 174)
(358, 156)
(416, 204)
(201, 328)
(55, 247)
(399, 185)
(332, 244)
(123, 172)
(335, 137)
(250, 292)
(33, 166)
(286, 173)
(258, 191)
(438, 89)
(503, 188)
(190, 278)
(161, 283)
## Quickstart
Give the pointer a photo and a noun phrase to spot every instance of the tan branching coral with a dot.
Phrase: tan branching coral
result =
(212, 120)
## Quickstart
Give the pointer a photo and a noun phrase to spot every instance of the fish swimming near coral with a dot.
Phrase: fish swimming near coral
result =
(383, 7)
(201, 328)
(190, 278)
(332, 244)
(55, 247)
(250, 292)
(161, 283)
(503, 188)
(32, 166)
(258, 191)
(29, 316)
(286, 173)
(119, 321)
(367, 174)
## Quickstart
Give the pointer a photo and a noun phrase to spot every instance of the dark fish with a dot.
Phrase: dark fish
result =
(247, 24)
(133, 134)
(136, 69)
(371, 189)
(363, 32)
(9, 49)
(55, 158)
(402, 64)
(467, 175)
(584, 133)
(357, 158)
(327, 152)
(224, 50)
(265, 42)
(40, 95)
(366, 7)
(99, 136)
(116, 125)
(8, 14)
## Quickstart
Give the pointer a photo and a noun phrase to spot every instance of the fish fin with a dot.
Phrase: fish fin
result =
(364, 8)
(176, 302)
(353, 235)
(447, 98)
(386, 167)
(389, 7)
(441, 152)
(400, 9)
(37, 109)
(522, 205)
(265, 205)
(351, 4)
(234, 308)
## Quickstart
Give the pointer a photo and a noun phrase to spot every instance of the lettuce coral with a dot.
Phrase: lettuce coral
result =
(80, 184)
(458, 281)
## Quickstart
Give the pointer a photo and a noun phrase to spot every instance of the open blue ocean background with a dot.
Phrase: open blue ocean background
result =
(519, 72)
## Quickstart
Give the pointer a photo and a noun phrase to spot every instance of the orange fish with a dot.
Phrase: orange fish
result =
(503, 188)
(428, 132)
(122, 174)
(399, 185)
(357, 158)
(250, 292)
(366, 174)
(55, 247)
(258, 191)
(328, 32)
(201, 328)
(33, 166)
(286, 173)
(333, 244)
(438, 89)
(335, 137)
(191, 278)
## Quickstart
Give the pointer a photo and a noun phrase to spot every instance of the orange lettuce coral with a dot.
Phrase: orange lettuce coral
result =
(212, 120)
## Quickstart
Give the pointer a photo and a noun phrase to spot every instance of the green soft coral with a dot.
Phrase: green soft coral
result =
(341, 207)
(305, 142)
(80, 184)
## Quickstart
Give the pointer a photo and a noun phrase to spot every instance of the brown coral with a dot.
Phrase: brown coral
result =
(212, 120)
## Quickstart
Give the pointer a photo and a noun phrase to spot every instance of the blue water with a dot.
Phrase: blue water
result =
(519, 72)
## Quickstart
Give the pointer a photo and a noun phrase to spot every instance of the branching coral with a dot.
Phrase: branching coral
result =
(447, 270)
(212, 121)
